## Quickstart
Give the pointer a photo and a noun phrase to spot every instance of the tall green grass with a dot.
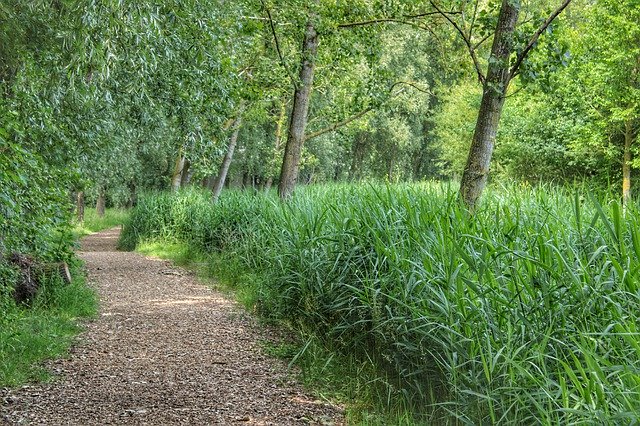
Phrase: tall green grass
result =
(525, 312)
(94, 223)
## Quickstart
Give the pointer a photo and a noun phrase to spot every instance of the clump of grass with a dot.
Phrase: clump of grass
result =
(45, 330)
(525, 312)
(93, 223)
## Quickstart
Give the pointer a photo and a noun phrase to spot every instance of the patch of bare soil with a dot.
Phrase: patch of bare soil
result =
(164, 350)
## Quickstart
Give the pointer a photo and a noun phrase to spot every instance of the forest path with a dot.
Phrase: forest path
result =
(163, 350)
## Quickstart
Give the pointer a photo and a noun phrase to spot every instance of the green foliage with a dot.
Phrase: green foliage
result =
(524, 313)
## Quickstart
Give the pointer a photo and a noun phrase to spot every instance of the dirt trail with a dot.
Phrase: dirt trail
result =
(163, 350)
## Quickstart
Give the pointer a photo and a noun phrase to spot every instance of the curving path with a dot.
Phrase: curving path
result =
(164, 350)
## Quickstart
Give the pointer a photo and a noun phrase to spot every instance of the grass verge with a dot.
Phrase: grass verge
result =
(31, 335)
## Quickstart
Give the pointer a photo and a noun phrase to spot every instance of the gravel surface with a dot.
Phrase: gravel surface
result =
(164, 350)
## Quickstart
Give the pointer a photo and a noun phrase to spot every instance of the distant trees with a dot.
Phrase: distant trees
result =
(147, 96)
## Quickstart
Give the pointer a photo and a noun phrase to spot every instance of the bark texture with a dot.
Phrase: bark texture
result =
(299, 113)
(226, 162)
(476, 171)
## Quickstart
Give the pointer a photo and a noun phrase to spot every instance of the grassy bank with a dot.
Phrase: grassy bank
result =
(30, 335)
(525, 313)
(45, 330)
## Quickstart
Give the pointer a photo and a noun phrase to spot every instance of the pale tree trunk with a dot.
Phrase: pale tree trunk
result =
(626, 164)
(101, 202)
(299, 112)
(476, 171)
(226, 162)
(277, 144)
(176, 177)
(80, 206)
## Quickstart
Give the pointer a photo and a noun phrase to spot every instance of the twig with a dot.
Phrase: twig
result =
(275, 38)
(535, 37)
(472, 51)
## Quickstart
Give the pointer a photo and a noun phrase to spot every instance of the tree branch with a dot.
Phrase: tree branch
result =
(471, 49)
(362, 113)
(275, 38)
(337, 125)
(396, 20)
(535, 37)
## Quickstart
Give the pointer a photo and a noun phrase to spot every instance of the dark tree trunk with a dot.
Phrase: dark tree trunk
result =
(299, 113)
(476, 171)
(226, 162)
(80, 206)
(101, 202)
(357, 156)
(133, 195)
(626, 163)
(185, 176)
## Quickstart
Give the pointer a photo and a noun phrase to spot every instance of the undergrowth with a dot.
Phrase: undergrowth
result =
(525, 312)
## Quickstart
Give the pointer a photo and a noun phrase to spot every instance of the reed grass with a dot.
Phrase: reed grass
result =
(525, 312)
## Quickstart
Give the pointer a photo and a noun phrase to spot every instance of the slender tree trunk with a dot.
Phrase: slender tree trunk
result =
(133, 195)
(185, 175)
(626, 164)
(226, 162)
(80, 206)
(299, 112)
(476, 171)
(101, 202)
(176, 177)
(277, 144)
(357, 156)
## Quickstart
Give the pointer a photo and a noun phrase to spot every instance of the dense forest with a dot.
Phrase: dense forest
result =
(440, 187)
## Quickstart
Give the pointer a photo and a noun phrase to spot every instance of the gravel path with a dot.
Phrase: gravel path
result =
(164, 350)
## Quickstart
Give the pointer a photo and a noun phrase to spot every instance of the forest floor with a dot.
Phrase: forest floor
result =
(164, 350)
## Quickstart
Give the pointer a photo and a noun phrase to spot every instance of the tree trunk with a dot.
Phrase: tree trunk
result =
(176, 178)
(226, 162)
(299, 112)
(101, 202)
(80, 206)
(268, 184)
(185, 175)
(476, 171)
(133, 195)
(626, 164)
(246, 179)
(357, 157)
